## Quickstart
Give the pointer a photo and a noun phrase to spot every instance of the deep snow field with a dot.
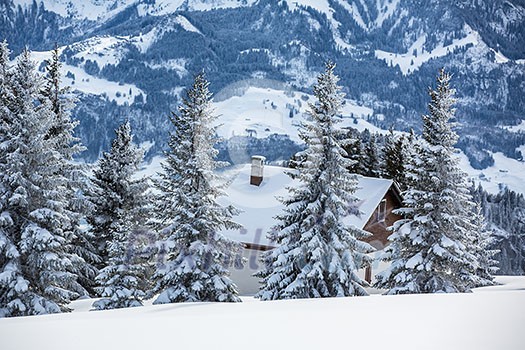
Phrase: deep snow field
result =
(489, 318)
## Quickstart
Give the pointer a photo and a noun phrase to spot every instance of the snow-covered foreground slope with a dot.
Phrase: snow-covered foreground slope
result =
(489, 318)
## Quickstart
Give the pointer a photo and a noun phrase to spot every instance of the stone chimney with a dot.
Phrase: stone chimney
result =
(257, 170)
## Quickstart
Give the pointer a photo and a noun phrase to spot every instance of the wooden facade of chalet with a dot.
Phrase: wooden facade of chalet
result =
(382, 218)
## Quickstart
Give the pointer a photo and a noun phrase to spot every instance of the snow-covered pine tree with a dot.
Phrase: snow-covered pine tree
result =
(62, 102)
(61, 133)
(409, 149)
(393, 162)
(38, 278)
(317, 255)
(432, 250)
(482, 243)
(372, 158)
(505, 214)
(188, 215)
(10, 269)
(119, 211)
(114, 195)
(354, 150)
(5, 75)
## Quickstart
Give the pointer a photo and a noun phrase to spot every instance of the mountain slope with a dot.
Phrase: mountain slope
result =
(388, 53)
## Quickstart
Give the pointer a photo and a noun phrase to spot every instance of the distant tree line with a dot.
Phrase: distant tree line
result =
(505, 215)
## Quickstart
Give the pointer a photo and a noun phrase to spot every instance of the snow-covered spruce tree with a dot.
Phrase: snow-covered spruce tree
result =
(317, 255)
(371, 158)
(354, 150)
(505, 219)
(10, 269)
(432, 249)
(38, 278)
(393, 163)
(482, 243)
(505, 212)
(119, 211)
(61, 133)
(62, 103)
(115, 196)
(409, 149)
(188, 215)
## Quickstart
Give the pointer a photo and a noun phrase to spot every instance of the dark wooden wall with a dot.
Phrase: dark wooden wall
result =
(378, 229)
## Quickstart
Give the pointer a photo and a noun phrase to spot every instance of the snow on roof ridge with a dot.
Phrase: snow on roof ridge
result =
(372, 202)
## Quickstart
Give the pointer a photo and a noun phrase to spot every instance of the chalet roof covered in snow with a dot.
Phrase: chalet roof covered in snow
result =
(259, 204)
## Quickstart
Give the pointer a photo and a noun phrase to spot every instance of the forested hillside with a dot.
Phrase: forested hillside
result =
(387, 53)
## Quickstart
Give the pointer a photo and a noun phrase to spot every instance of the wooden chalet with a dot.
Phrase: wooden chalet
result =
(259, 205)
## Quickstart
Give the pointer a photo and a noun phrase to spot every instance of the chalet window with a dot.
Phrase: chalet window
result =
(381, 211)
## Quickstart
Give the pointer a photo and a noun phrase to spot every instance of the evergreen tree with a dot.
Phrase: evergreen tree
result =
(317, 255)
(354, 150)
(432, 249)
(119, 208)
(62, 102)
(115, 196)
(398, 155)
(10, 269)
(372, 158)
(409, 149)
(5, 75)
(505, 215)
(482, 243)
(189, 216)
(393, 157)
(38, 278)
(61, 134)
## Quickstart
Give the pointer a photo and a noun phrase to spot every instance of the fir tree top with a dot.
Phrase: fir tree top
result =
(437, 127)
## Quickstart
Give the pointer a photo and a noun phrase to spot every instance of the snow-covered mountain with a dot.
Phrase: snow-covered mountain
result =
(100, 10)
(133, 58)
